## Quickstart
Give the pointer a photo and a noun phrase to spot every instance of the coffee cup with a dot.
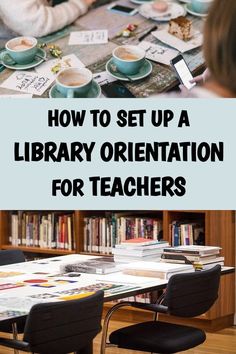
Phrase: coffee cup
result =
(201, 6)
(22, 50)
(128, 59)
(73, 82)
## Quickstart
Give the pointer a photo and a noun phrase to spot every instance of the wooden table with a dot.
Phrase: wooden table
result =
(95, 57)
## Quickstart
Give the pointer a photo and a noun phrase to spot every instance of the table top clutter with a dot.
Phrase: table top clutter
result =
(90, 41)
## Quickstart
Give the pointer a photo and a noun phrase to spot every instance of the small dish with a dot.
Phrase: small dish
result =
(143, 72)
(94, 92)
(174, 10)
(9, 63)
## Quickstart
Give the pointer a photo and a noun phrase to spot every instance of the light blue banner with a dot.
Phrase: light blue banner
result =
(189, 147)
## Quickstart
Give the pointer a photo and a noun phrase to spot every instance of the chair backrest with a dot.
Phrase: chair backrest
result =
(192, 294)
(65, 326)
(11, 256)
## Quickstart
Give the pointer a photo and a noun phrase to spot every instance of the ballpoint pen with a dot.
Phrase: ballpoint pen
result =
(147, 33)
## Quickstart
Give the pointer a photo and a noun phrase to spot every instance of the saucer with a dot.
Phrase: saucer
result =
(143, 72)
(174, 10)
(8, 62)
(191, 12)
(94, 92)
(140, 2)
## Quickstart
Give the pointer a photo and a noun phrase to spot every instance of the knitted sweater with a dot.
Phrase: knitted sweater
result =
(37, 17)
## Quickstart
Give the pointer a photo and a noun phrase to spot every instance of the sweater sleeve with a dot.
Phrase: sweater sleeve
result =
(34, 18)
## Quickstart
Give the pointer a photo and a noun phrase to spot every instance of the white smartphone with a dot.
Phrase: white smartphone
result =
(126, 10)
(183, 72)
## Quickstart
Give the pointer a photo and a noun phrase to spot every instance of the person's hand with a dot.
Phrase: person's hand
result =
(89, 2)
(200, 79)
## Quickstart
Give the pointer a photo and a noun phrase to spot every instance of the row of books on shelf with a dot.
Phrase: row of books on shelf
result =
(45, 230)
(187, 233)
(101, 234)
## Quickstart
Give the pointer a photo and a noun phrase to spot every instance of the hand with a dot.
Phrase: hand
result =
(201, 78)
(197, 79)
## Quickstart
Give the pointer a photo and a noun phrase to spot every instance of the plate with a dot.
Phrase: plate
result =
(182, 46)
(191, 12)
(94, 92)
(144, 71)
(140, 2)
(174, 10)
(9, 63)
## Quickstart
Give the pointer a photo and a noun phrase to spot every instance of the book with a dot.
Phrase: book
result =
(179, 258)
(136, 252)
(157, 269)
(147, 246)
(140, 241)
(194, 250)
(102, 265)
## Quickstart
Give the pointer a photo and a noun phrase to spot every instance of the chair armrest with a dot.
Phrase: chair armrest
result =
(150, 307)
(15, 344)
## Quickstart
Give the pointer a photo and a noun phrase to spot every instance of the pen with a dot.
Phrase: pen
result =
(147, 33)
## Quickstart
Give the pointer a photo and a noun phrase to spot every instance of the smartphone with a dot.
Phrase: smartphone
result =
(116, 89)
(183, 72)
(126, 10)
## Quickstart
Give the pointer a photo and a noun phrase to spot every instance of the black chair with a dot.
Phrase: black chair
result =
(11, 257)
(187, 295)
(61, 327)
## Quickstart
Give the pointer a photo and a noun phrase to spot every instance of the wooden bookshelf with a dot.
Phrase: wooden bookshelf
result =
(219, 229)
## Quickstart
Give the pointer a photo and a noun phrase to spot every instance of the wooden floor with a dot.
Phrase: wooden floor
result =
(222, 342)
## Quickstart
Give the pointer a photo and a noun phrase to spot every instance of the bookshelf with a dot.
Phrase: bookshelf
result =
(219, 230)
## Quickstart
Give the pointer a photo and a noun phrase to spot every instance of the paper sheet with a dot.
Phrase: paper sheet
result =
(25, 95)
(52, 67)
(27, 82)
(103, 78)
(88, 37)
(158, 53)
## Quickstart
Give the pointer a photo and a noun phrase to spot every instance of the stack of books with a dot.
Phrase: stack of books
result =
(139, 249)
(100, 265)
(202, 257)
(156, 269)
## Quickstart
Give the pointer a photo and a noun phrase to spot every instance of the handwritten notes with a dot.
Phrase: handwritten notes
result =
(103, 78)
(88, 37)
(27, 82)
(52, 67)
(158, 53)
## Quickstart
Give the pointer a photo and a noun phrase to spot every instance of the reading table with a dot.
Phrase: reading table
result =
(24, 284)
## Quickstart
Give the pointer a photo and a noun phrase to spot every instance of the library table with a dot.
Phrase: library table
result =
(96, 56)
(24, 284)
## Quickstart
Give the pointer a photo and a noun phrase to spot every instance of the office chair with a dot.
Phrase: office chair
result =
(11, 257)
(61, 327)
(186, 295)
